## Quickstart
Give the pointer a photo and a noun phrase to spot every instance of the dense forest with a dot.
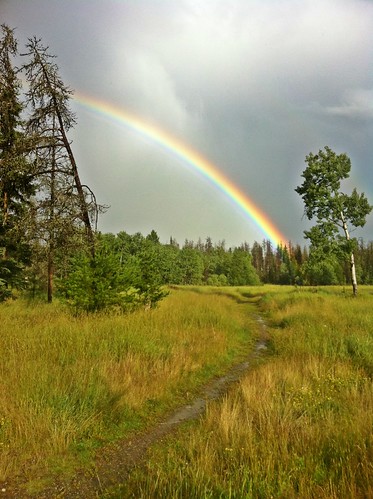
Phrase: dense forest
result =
(127, 262)
(48, 217)
(205, 262)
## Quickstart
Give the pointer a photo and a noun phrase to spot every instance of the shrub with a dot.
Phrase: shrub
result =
(107, 283)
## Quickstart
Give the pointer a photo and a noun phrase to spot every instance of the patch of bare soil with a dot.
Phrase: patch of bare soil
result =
(115, 461)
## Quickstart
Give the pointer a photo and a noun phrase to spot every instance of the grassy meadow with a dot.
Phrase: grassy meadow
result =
(68, 385)
(298, 425)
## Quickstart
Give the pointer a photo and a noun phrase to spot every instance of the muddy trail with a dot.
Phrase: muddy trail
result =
(115, 461)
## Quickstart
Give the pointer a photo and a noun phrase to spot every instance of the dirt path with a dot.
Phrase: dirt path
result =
(115, 461)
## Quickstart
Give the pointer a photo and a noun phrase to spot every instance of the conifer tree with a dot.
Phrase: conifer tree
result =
(15, 175)
(62, 203)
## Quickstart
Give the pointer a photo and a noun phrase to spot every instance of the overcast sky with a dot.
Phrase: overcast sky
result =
(252, 85)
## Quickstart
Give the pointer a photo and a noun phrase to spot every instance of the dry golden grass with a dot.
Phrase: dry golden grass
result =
(297, 426)
(69, 384)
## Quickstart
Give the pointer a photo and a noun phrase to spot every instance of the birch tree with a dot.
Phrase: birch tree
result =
(336, 214)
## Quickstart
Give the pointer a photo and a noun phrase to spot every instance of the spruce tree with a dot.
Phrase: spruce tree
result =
(16, 184)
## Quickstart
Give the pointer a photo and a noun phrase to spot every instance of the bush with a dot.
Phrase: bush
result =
(107, 283)
(5, 293)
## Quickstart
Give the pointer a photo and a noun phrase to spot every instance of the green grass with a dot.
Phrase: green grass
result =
(68, 385)
(298, 425)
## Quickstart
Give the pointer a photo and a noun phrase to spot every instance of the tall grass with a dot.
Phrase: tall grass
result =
(69, 384)
(297, 426)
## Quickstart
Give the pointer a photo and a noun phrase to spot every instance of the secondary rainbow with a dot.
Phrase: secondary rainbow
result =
(187, 155)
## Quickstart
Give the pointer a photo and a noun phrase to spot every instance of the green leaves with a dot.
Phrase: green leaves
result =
(111, 282)
(332, 209)
(241, 271)
(321, 194)
(356, 208)
(322, 179)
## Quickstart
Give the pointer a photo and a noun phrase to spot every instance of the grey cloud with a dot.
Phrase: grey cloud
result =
(253, 85)
(357, 103)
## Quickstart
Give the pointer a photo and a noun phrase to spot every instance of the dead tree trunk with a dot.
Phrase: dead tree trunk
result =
(78, 184)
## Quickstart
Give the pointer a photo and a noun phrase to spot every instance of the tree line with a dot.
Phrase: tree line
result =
(214, 264)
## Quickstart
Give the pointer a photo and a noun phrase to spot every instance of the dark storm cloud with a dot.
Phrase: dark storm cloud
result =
(253, 85)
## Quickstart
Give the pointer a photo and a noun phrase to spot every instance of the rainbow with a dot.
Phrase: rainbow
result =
(187, 155)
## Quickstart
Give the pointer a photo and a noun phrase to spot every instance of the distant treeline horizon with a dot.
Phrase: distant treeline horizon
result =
(214, 263)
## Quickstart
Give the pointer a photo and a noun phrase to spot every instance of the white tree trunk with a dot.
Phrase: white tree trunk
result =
(352, 258)
(353, 274)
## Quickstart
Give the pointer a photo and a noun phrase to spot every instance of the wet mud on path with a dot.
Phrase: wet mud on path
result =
(115, 461)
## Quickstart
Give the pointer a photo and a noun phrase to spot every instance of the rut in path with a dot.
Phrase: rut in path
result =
(114, 463)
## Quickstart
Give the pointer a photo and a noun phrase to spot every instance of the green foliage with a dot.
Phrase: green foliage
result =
(11, 276)
(15, 172)
(5, 292)
(89, 285)
(149, 283)
(333, 210)
(241, 271)
(324, 202)
(190, 263)
(112, 283)
(217, 280)
(321, 273)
